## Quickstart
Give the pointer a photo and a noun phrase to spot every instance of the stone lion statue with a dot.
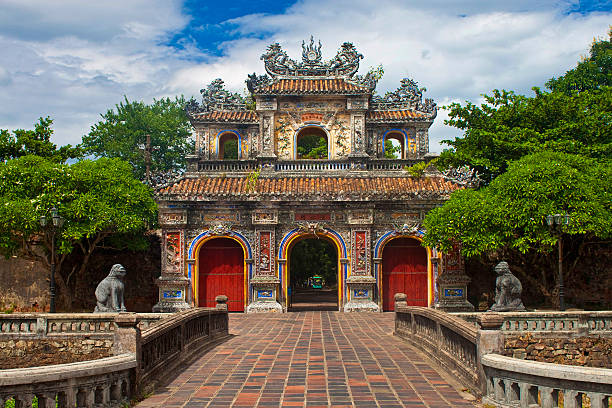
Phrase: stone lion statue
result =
(508, 290)
(109, 293)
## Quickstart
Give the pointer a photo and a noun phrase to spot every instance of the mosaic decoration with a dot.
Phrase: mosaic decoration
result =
(453, 261)
(361, 217)
(267, 133)
(408, 228)
(216, 98)
(312, 217)
(208, 217)
(173, 218)
(173, 252)
(220, 229)
(312, 117)
(361, 293)
(172, 294)
(408, 96)
(265, 251)
(453, 292)
(265, 217)
(360, 248)
(265, 294)
(358, 132)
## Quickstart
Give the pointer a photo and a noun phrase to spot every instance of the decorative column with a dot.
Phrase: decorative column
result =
(265, 285)
(452, 283)
(172, 283)
(422, 140)
(265, 108)
(357, 108)
(361, 283)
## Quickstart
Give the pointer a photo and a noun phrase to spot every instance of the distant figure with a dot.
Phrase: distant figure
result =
(109, 293)
(508, 290)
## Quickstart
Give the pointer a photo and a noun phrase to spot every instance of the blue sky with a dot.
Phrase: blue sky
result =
(74, 59)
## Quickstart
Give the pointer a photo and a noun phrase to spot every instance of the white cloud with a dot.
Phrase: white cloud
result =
(74, 59)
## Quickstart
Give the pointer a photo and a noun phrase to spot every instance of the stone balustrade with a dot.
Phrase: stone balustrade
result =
(573, 323)
(450, 341)
(27, 325)
(146, 346)
(177, 339)
(511, 382)
(106, 382)
(246, 166)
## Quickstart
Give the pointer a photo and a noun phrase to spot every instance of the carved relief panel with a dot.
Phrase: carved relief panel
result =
(266, 217)
(265, 251)
(361, 216)
(173, 217)
(358, 133)
(360, 248)
(172, 257)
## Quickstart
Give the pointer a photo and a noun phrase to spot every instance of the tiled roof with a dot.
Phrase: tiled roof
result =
(331, 188)
(313, 86)
(226, 116)
(393, 115)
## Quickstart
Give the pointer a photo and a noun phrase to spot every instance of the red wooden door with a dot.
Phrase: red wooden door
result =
(221, 267)
(404, 271)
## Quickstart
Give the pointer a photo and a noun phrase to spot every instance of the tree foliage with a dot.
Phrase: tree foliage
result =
(591, 73)
(510, 211)
(312, 146)
(312, 257)
(509, 126)
(392, 151)
(98, 199)
(123, 131)
(21, 142)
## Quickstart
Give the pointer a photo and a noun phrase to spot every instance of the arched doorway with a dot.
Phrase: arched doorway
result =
(312, 275)
(394, 145)
(404, 270)
(221, 272)
(229, 146)
(311, 143)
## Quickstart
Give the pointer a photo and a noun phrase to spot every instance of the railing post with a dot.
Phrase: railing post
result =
(127, 340)
(490, 339)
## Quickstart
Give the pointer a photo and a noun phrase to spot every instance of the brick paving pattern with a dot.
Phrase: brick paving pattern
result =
(309, 359)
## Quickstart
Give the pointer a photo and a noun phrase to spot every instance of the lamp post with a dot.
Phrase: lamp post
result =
(555, 223)
(56, 223)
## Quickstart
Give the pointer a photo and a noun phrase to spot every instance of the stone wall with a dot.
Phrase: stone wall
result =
(24, 285)
(37, 352)
(579, 351)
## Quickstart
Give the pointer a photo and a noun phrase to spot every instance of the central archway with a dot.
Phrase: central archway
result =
(312, 275)
(297, 234)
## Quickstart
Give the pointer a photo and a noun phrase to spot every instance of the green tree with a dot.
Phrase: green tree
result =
(312, 146)
(508, 214)
(392, 151)
(312, 257)
(123, 134)
(100, 200)
(591, 73)
(23, 142)
(509, 126)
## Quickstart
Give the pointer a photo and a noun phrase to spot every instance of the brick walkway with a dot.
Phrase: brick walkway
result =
(309, 359)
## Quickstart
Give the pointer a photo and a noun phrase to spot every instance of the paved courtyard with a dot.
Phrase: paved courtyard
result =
(309, 359)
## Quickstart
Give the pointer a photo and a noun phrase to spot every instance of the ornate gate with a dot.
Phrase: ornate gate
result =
(221, 272)
(404, 263)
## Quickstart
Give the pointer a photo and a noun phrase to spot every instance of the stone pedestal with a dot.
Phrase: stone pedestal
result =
(452, 293)
(265, 295)
(171, 294)
(361, 292)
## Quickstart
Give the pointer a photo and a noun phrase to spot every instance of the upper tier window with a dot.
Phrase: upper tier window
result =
(394, 145)
(228, 146)
(312, 143)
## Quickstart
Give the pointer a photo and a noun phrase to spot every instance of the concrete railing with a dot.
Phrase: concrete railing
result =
(578, 323)
(511, 382)
(106, 382)
(450, 341)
